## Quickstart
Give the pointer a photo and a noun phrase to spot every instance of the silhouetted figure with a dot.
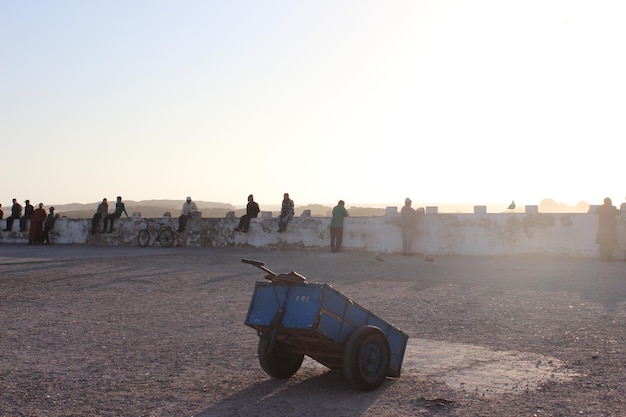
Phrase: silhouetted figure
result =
(16, 213)
(28, 211)
(512, 205)
(607, 229)
(252, 211)
(119, 209)
(101, 213)
(35, 234)
(408, 218)
(336, 226)
(48, 225)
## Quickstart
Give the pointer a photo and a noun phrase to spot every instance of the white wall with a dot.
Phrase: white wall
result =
(436, 234)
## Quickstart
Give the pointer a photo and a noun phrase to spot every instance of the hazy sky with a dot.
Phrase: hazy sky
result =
(367, 101)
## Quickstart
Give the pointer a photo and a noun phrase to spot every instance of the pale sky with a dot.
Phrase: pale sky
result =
(366, 101)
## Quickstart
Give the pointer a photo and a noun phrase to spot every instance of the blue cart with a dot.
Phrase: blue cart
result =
(294, 318)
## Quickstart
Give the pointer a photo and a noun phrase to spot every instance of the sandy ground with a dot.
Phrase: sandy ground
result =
(103, 331)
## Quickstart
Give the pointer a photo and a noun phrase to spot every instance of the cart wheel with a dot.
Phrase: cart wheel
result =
(279, 363)
(366, 358)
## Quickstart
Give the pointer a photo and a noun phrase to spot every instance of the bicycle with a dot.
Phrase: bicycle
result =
(162, 234)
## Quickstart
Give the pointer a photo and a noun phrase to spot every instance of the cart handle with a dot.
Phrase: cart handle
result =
(259, 265)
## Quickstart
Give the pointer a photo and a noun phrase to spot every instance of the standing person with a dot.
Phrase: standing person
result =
(35, 234)
(101, 213)
(336, 226)
(28, 212)
(1, 212)
(286, 213)
(189, 207)
(252, 211)
(16, 213)
(607, 229)
(48, 225)
(119, 209)
(408, 217)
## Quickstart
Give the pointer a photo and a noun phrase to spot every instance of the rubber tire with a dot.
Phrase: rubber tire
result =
(166, 238)
(143, 238)
(279, 363)
(366, 358)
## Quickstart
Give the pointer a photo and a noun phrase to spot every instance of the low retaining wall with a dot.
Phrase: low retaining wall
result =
(436, 234)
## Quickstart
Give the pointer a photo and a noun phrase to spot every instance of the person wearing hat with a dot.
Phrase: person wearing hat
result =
(28, 212)
(16, 213)
(189, 208)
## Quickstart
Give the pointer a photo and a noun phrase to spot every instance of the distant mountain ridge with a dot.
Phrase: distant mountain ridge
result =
(210, 209)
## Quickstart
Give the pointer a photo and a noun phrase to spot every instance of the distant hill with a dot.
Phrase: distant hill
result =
(210, 209)
(147, 208)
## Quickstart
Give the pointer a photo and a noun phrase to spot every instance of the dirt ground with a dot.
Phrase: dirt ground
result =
(100, 331)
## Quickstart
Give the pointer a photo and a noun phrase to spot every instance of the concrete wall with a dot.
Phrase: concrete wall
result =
(436, 234)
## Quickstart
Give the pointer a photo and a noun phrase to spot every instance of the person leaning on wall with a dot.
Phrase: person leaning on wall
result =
(336, 226)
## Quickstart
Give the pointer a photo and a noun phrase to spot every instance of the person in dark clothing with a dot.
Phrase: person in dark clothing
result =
(1, 212)
(119, 209)
(35, 234)
(16, 213)
(101, 212)
(607, 229)
(28, 212)
(48, 225)
(336, 226)
(252, 211)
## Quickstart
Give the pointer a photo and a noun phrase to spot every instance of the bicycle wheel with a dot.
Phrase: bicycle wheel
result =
(166, 238)
(143, 238)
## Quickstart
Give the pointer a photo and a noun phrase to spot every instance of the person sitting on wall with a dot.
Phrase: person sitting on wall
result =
(28, 212)
(252, 211)
(101, 212)
(286, 213)
(189, 208)
(16, 213)
(119, 209)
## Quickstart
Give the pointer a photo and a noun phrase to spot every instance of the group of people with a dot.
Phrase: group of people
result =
(408, 221)
(252, 211)
(39, 223)
(35, 220)
(102, 214)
